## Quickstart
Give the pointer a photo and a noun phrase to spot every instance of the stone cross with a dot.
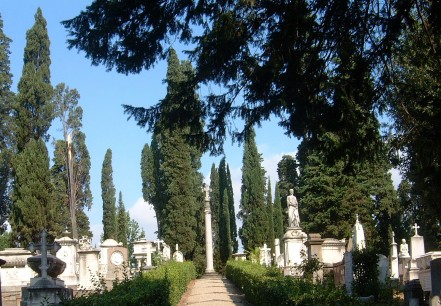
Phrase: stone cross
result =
(43, 247)
(158, 244)
(416, 227)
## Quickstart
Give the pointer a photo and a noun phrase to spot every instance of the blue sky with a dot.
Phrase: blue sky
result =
(104, 123)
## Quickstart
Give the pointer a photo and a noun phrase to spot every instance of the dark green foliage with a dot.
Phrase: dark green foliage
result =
(278, 215)
(226, 194)
(332, 195)
(224, 231)
(232, 212)
(270, 213)
(108, 196)
(171, 181)
(6, 100)
(365, 267)
(33, 208)
(288, 179)
(121, 221)
(252, 203)
(5, 240)
(215, 215)
(415, 97)
(33, 110)
(267, 286)
(163, 286)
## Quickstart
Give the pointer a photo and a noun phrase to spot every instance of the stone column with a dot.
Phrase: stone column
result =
(394, 272)
(208, 233)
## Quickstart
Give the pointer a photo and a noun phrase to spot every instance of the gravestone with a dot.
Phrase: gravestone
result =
(177, 255)
(142, 251)
(112, 258)
(166, 252)
(435, 274)
(383, 268)
(265, 255)
(416, 251)
(89, 268)
(68, 254)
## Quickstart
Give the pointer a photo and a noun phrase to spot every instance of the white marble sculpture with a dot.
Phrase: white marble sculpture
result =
(293, 210)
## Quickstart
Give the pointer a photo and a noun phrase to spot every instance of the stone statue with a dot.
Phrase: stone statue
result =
(404, 249)
(293, 210)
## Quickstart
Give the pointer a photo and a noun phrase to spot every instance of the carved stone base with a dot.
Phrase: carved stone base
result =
(294, 240)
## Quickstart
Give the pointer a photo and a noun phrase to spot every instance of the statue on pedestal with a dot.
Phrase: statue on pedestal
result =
(293, 210)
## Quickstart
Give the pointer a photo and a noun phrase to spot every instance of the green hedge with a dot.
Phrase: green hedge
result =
(267, 286)
(163, 286)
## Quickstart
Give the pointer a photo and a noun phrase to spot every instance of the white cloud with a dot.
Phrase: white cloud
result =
(143, 213)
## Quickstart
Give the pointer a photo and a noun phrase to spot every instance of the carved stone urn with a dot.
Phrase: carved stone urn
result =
(55, 265)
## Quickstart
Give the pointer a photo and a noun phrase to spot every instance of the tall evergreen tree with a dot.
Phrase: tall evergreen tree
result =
(288, 179)
(215, 215)
(108, 196)
(233, 225)
(331, 196)
(33, 209)
(75, 156)
(270, 213)
(122, 222)
(32, 115)
(224, 230)
(6, 97)
(252, 202)
(174, 181)
(33, 110)
(278, 215)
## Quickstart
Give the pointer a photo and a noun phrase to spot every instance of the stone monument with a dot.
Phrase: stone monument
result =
(46, 288)
(208, 233)
(394, 272)
(358, 239)
(416, 250)
(294, 239)
(88, 264)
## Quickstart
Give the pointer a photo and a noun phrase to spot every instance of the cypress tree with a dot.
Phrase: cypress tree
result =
(32, 115)
(108, 197)
(122, 223)
(278, 215)
(33, 208)
(288, 179)
(33, 110)
(270, 212)
(331, 196)
(252, 202)
(224, 231)
(232, 212)
(6, 99)
(215, 215)
(176, 194)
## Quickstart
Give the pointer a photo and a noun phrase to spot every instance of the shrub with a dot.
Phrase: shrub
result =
(267, 286)
(164, 285)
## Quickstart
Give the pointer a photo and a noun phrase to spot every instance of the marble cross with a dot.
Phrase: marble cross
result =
(158, 244)
(43, 247)
(416, 227)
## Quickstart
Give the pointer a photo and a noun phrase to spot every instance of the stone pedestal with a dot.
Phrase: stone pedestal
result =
(88, 268)
(45, 291)
(68, 253)
(416, 251)
(314, 245)
(294, 242)
(394, 272)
